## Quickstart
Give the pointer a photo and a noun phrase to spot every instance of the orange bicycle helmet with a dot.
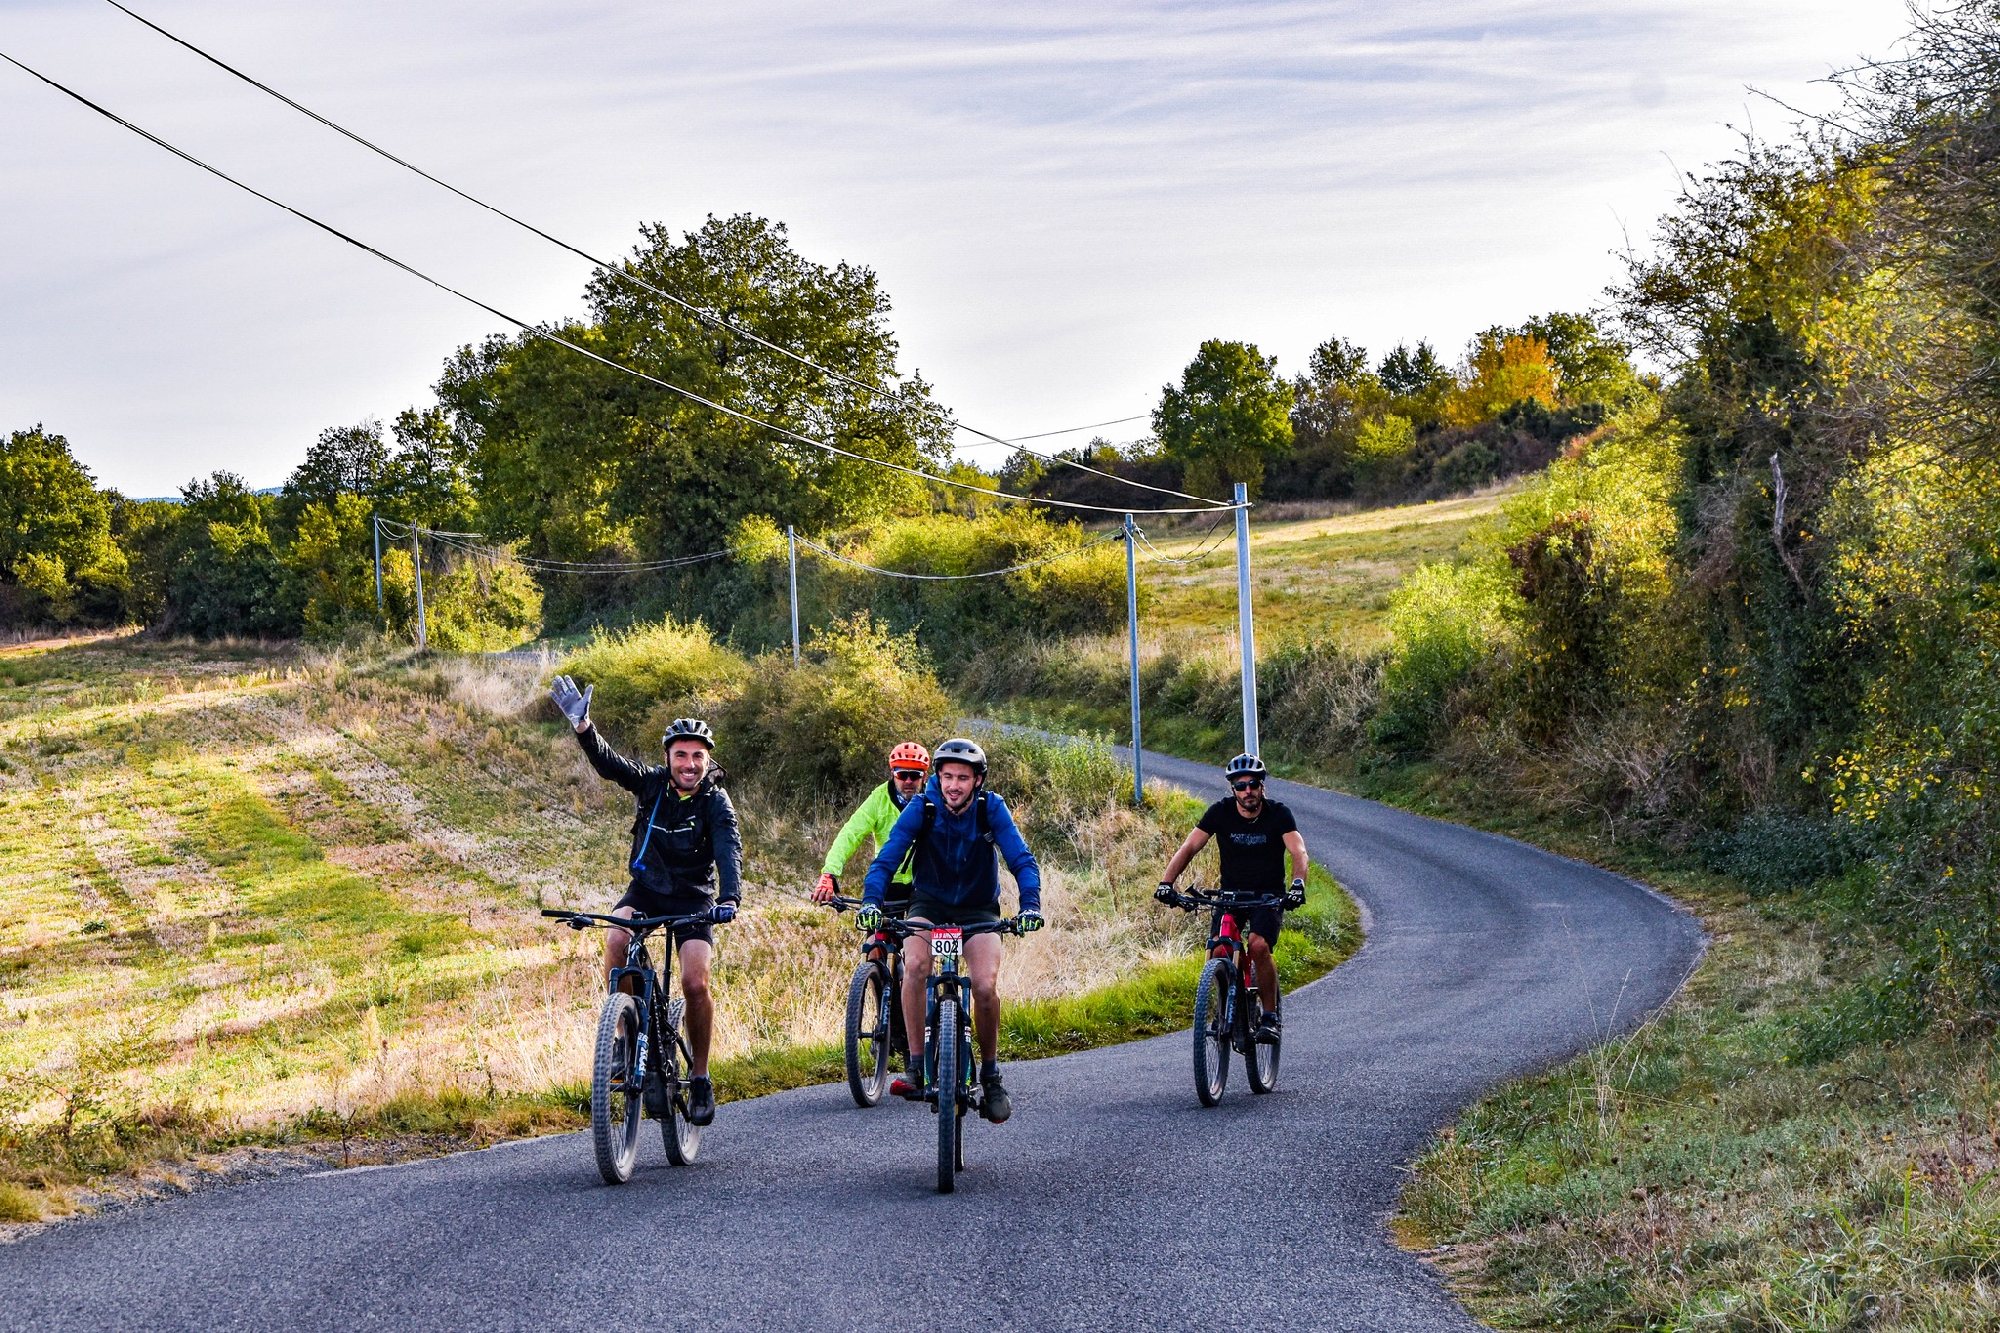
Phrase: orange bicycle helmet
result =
(910, 755)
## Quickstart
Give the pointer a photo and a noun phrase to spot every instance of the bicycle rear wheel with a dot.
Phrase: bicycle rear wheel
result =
(682, 1136)
(615, 1083)
(867, 1034)
(1211, 1030)
(1262, 1066)
(947, 1037)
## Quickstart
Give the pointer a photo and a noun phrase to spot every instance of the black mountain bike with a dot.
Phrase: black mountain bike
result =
(1226, 1006)
(949, 1063)
(874, 1028)
(641, 1055)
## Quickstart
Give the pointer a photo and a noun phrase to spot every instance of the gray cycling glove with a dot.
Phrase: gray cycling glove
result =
(575, 704)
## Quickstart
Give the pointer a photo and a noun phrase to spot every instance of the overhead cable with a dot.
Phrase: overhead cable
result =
(830, 554)
(546, 335)
(474, 543)
(708, 317)
(1204, 547)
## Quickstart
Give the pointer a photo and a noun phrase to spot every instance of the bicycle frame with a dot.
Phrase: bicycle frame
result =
(648, 989)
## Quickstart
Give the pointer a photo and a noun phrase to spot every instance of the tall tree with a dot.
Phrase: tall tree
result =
(55, 531)
(1228, 416)
(579, 458)
(1331, 397)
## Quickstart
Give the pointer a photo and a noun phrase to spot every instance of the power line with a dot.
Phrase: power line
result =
(812, 545)
(708, 317)
(474, 543)
(537, 331)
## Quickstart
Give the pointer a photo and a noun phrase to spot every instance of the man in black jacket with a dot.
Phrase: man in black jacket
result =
(687, 857)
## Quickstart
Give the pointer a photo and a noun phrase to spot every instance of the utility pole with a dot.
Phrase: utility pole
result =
(1132, 631)
(377, 524)
(792, 553)
(1245, 628)
(417, 563)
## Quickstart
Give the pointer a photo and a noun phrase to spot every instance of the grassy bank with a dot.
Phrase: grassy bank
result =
(1786, 1146)
(259, 897)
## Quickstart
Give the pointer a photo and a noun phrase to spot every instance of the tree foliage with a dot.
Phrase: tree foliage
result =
(582, 461)
(58, 562)
(1227, 418)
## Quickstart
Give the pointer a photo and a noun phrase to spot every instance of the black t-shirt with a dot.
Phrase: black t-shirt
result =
(1252, 851)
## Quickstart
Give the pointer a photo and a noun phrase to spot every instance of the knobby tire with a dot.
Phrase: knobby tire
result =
(1211, 1030)
(868, 1034)
(614, 1109)
(948, 1038)
(1262, 1066)
(682, 1136)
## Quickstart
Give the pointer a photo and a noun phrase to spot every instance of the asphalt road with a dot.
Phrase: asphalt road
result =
(1112, 1199)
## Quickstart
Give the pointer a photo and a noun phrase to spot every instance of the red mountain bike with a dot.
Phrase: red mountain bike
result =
(1225, 999)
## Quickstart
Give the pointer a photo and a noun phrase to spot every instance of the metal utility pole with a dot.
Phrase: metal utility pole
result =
(377, 524)
(417, 563)
(1245, 628)
(1132, 631)
(792, 553)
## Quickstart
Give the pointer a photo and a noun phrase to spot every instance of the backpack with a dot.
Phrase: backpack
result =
(985, 820)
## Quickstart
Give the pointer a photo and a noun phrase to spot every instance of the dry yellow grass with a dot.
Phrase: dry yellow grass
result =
(240, 887)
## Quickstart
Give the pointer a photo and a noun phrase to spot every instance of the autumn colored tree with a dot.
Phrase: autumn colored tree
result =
(1502, 369)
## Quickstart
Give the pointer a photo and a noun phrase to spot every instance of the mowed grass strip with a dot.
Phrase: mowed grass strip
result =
(1317, 578)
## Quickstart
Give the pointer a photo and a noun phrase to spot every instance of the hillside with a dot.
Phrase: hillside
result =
(1323, 578)
(253, 894)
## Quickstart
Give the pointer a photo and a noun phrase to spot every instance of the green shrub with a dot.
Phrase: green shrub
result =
(482, 605)
(666, 666)
(1446, 620)
(822, 728)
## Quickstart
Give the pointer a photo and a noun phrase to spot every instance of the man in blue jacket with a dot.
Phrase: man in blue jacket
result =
(959, 831)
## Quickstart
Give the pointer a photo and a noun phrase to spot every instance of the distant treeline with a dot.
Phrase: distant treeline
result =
(554, 457)
(1407, 427)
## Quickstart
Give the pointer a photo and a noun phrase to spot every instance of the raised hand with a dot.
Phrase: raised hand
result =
(574, 703)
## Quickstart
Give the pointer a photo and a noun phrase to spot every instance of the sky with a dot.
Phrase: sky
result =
(1062, 200)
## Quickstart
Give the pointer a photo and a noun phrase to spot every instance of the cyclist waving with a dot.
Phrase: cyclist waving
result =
(687, 857)
(1253, 836)
(954, 836)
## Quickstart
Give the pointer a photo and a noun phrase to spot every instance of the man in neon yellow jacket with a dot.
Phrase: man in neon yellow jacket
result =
(909, 765)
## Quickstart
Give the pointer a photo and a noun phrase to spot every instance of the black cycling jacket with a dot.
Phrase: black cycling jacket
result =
(679, 844)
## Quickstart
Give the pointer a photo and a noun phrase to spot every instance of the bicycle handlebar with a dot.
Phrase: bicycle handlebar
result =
(585, 920)
(1189, 900)
(1006, 925)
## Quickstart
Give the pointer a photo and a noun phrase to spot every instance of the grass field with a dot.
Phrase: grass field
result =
(250, 895)
(1327, 577)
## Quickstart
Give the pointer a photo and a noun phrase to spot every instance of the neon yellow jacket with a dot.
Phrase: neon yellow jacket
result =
(872, 820)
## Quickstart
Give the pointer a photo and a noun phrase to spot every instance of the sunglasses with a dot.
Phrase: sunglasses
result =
(1247, 786)
(906, 775)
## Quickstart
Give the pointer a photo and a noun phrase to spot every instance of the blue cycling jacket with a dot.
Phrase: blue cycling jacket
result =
(953, 863)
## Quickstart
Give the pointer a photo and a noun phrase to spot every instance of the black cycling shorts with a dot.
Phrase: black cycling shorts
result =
(1265, 921)
(950, 914)
(646, 902)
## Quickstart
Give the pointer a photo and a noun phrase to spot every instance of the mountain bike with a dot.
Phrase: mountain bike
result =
(874, 1027)
(949, 1063)
(640, 1050)
(1226, 1004)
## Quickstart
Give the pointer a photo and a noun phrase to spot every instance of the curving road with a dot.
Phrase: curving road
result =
(1110, 1199)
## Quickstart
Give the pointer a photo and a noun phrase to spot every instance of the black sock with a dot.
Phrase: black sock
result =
(989, 1070)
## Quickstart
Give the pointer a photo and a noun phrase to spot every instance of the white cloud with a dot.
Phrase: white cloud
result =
(1062, 199)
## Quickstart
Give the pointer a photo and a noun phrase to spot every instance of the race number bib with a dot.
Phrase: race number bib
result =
(945, 941)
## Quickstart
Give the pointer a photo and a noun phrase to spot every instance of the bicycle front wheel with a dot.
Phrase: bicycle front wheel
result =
(615, 1083)
(1211, 1030)
(867, 1034)
(683, 1136)
(947, 1038)
(1262, 1066)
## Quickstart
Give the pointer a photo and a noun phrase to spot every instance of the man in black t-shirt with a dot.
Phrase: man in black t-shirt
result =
(1252, 837)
